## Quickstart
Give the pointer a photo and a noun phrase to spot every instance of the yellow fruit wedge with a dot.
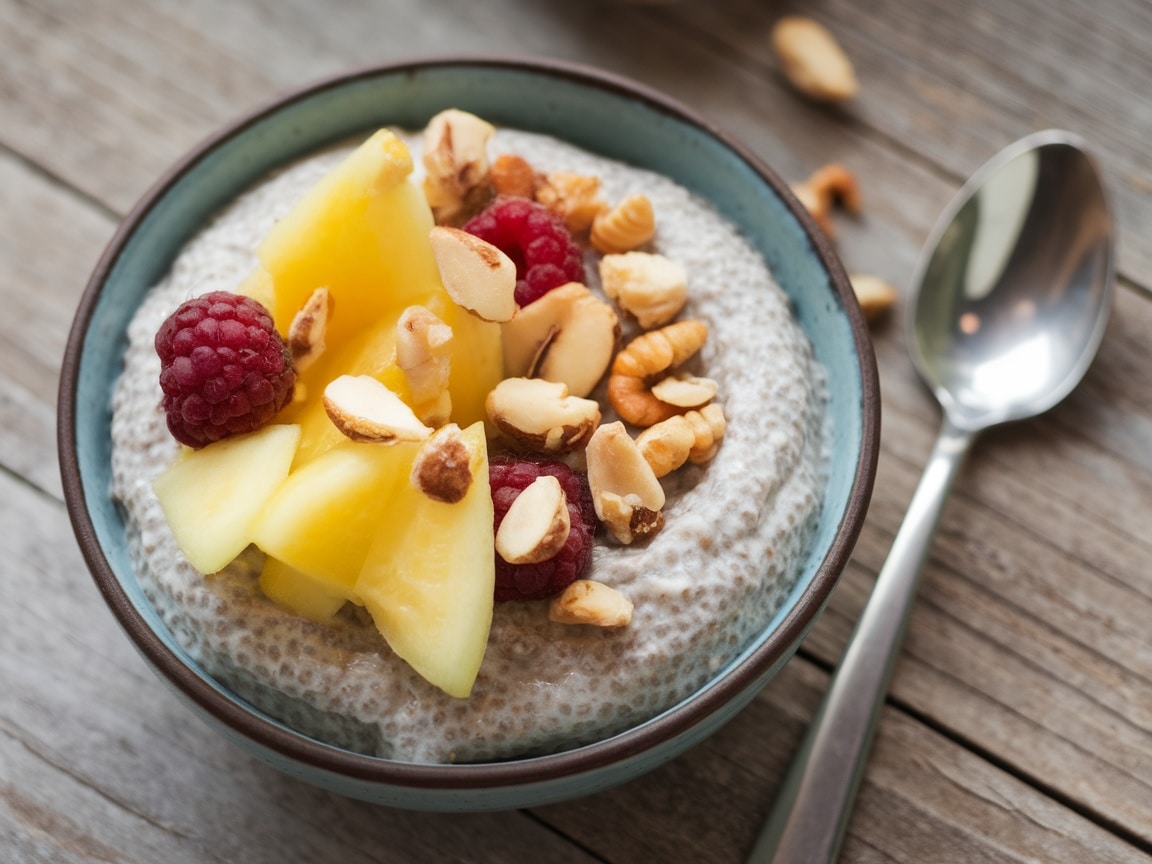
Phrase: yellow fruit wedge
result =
(212, 497)
(429, 578)
(323, 518)
(299, 592)
(361, 231)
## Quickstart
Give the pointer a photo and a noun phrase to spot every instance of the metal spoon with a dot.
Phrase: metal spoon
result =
(1014, 293)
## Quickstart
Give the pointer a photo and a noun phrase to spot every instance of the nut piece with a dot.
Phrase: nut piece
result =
(830, 185)
(575, 198)
(512, 174)
(691, 437)
(536, 526)
(643, 358)
(586, 601)
(424, 354)
(456, 181)
(685, 391)
(709, 425)
(630, 224)
(365, 410)
(625, 491)
(306, 332)
(665, 445)
(568, 335)
(874, 295)
(443, 467)
(541, 416)
(812, 60)
(650, 286)
(477, 275)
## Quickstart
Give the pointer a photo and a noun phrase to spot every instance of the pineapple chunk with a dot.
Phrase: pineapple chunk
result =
(322, 519)
(429, 577)
(212, 496)
(299, 592)
(362, 231)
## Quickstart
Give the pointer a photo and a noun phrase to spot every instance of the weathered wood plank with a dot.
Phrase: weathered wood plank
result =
(924, 797)
(49, 242)
(956, 83)
(1031, 624)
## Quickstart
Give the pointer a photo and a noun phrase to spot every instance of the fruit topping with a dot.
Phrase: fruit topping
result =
(428, 578)
(536, 240)
(212, 498)
(510, 475)
(224, 369)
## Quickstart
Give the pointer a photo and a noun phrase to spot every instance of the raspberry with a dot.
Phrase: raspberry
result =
(510, 475)
(536, 240)
(224, 369)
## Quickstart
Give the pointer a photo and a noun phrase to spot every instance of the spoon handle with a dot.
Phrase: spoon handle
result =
(812, 809)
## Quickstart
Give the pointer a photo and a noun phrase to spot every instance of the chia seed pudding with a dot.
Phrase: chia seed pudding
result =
(736, 528)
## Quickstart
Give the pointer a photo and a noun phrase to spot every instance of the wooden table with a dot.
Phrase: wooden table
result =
(1019, 725)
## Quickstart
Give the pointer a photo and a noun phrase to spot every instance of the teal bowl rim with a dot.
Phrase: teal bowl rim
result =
(703, 708)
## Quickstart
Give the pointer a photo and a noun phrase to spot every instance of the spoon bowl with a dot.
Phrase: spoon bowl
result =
(1012, 296)
(1011, 300)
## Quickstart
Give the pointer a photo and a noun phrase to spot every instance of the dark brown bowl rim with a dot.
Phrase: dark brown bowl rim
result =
(591, 757)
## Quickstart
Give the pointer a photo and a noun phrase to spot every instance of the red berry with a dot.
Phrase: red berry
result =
(510, 475)
(224, 369)
(536, 240)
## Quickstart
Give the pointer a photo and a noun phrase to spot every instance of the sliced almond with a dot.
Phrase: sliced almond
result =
(537, 524)
(365, 410)
(541, 415)
(443, 467)
(568, 335)
(625, 490)
(587, 601)
(685, 391)
(306, 332)
(477, 276)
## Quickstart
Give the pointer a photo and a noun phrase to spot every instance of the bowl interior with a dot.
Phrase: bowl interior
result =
(598, 112)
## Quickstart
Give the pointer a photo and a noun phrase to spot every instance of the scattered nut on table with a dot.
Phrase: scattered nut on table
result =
(829, 186)
(812, 60)
(875, 295)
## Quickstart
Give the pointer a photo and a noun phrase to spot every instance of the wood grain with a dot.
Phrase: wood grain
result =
(1019, 726)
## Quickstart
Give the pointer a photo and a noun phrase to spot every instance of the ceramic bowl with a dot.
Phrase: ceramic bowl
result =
(600, 112)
